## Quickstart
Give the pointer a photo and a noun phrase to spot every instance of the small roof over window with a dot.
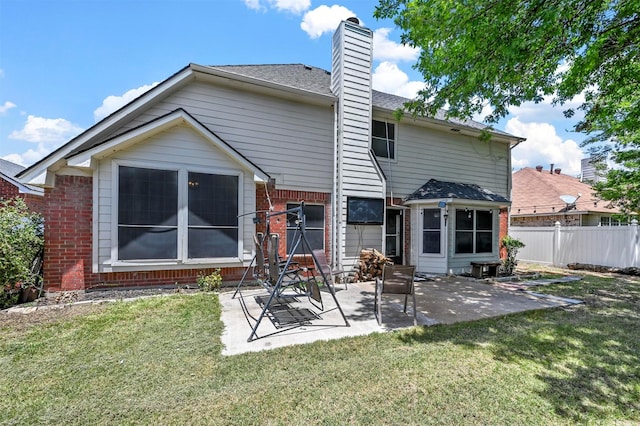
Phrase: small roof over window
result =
(436, 189)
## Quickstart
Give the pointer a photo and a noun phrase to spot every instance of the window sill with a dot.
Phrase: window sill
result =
(131, 266)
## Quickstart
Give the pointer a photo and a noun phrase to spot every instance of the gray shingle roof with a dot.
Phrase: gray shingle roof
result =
(298, 76)
(435, 189)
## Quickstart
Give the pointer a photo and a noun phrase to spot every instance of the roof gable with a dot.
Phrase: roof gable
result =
(177, 117)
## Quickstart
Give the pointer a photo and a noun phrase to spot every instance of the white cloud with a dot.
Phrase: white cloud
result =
(253, 4)
(388, 50)
(6, 107)
(112, 103)
(1, 72)
(324, 19)
(388, 78)
(544, 111)
(48, 131)
(544, 147)
(292, 6)
(29, 157)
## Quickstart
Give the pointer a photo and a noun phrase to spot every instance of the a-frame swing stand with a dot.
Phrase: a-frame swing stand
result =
(286, 281)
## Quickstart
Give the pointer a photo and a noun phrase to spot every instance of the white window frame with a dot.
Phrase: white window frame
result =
(442, 232)
(474, 230)
(387, 139)
(183, 214)
(324, 224)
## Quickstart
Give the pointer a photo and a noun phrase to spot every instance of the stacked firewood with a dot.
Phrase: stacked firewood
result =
(370, 265)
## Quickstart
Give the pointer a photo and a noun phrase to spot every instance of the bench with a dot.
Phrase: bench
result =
(478, 269)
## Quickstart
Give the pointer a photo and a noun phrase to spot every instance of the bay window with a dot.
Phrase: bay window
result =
(474, 231)
(431, 238)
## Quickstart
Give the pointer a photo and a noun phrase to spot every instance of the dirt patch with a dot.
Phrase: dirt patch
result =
(65, 305)
(19, 321)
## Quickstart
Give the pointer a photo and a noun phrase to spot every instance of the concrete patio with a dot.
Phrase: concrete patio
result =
(442, 300)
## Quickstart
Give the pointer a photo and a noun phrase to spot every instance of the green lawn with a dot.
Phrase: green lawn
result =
(158, 361)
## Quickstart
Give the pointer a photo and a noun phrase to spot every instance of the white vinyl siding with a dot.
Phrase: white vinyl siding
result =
(290, 140)
(357, 174)
(179, 147)
(423, 153)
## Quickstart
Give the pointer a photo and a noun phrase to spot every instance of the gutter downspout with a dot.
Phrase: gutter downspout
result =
(336, 241)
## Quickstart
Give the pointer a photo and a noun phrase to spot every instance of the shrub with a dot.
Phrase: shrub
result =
(21, 241)
(211, 282)
(511, 245)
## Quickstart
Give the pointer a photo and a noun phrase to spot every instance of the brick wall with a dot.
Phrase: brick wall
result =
(504, 231)
(68, 239)
(9, 190)
(67, 247)
(279, 199)
(565, 220)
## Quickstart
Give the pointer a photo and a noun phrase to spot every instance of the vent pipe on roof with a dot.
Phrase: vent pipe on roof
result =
(551, 169)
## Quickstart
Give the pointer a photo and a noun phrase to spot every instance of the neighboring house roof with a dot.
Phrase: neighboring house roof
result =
(9, 171)
(538, 193)
(435, 189)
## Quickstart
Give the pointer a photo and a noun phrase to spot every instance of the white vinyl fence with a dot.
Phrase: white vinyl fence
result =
(615, 246)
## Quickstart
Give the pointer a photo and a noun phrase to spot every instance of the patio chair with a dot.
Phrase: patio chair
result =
(396, 279)
(326, 269)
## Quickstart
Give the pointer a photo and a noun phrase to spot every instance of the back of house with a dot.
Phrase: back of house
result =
(178, 181)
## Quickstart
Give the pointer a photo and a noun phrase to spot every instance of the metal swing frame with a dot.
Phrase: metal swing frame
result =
(276, 289)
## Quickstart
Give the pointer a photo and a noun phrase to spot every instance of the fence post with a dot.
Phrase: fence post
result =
(635, 244)
(556, 244)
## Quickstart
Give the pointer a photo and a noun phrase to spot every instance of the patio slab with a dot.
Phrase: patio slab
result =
(442, 300)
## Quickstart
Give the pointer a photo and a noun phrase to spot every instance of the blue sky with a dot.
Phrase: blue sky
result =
(66, 64)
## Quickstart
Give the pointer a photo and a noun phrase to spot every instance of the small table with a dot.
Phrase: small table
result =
(478, 269)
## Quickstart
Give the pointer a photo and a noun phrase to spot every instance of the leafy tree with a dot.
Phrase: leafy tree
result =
(503, 53)
(21, 240)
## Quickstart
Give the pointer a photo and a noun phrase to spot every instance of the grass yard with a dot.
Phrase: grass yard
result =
(158, 361)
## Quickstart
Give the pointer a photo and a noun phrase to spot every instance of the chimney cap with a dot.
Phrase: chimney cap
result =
(539, 168)
(354, 20)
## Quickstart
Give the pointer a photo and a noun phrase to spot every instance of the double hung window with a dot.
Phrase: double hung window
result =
(314, 220)
(383, 141)
(431, 230)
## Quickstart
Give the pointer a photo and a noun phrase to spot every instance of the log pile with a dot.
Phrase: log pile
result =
(600, 268)
(370, 265)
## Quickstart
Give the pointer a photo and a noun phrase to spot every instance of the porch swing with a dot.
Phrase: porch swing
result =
(286, 281)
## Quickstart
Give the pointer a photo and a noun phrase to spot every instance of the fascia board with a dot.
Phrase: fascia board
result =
(32, 175)
(447, 126)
